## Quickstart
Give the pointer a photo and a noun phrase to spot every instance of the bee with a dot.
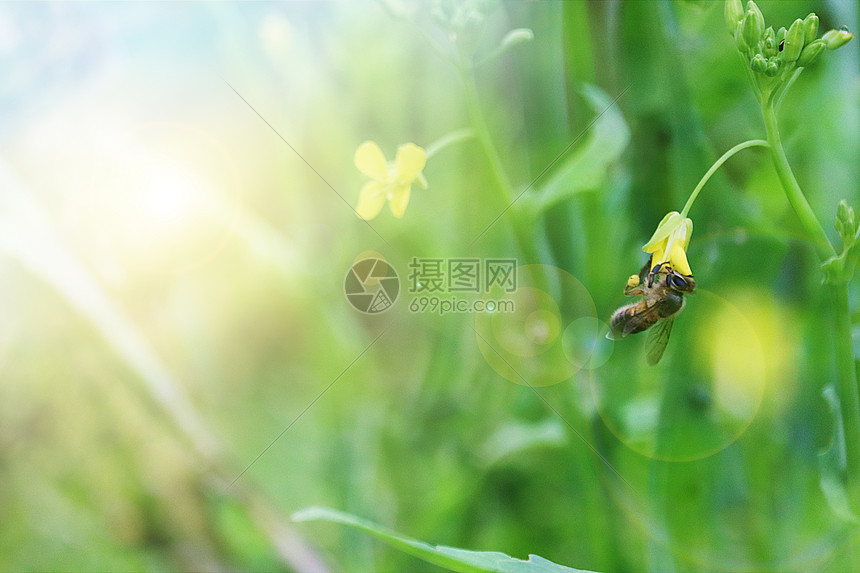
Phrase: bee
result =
(662, 289)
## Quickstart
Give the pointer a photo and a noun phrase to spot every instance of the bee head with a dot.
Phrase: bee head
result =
(679, 282)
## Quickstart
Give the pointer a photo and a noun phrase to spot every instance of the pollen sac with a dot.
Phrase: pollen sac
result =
(632, 281)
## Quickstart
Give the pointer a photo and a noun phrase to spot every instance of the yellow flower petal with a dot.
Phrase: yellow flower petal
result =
(688, 232)
(667, 226)
(370, 200)
(669, 242)
(399, 200)
(678, 260)
(409, 162)
(370, 160)
(658, 249)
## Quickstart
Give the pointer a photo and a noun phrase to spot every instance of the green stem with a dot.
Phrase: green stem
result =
(792, 189)
(717, 165)
(848, 392)
(845, 365)
(778, 96)
(504, 191)
(476, 116)
(449, 139)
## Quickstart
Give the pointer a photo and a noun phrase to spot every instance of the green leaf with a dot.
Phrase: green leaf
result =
(587, 167)
(450, 558)
(512, 438)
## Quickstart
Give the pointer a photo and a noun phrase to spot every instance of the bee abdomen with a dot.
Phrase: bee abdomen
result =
(620, 319)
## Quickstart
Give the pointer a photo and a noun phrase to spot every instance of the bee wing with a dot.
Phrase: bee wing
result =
(631, 323)
(658, 338)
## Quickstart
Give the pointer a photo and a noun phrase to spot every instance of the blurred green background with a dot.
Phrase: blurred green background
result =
(171, 290)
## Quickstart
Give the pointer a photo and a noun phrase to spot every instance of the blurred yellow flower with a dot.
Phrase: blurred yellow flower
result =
(391, 181)
(669, 242)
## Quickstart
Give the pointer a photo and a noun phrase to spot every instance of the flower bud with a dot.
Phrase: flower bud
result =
(753, 24)
(843, 211)
(768, 42)
(734, 13)
(753, 7)
(758, 63)
(810, 28)
(810, 53)
(780, 35)
(846, 223)
(517, 36)
(793, 41)
(739, 38)
(772, 69)
(837, 38)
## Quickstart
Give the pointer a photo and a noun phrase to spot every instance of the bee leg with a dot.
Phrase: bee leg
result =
(654, 272)
(643, 272)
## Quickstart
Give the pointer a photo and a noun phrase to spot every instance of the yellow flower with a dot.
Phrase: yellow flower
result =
(391, 181)
(669, 243)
